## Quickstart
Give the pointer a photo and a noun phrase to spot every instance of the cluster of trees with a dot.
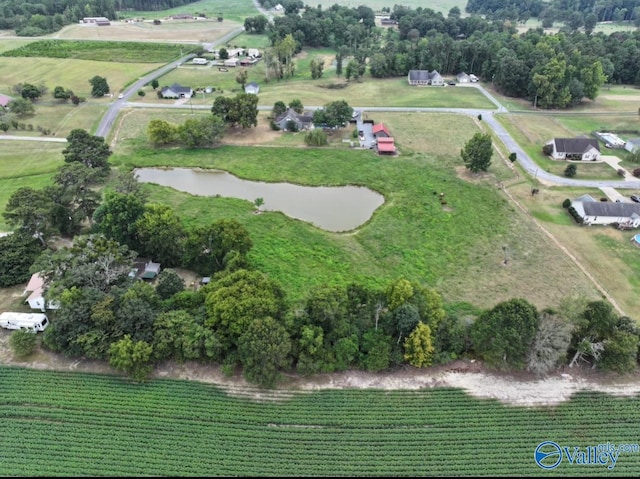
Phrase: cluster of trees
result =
(241, 110)
(63, 207)
(193, 133)
(574, 14)
(34, 19)
(553, 71)
(335, 114)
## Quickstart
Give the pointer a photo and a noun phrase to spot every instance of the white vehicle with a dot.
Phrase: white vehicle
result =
(120, 96)
(33, 321)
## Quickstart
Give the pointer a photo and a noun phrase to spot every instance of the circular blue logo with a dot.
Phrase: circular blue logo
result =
(548, 455)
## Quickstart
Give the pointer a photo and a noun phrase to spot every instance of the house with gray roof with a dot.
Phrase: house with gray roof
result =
(585, 149)
(425, 77)
(176, 91)
(252, 87)
(592, 212)
(463, 78)
(302, 121)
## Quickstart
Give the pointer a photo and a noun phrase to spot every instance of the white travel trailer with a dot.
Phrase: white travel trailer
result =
(33, 321)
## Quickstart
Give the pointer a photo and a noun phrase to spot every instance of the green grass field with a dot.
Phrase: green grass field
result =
(236, 11)
(411, 235)
(68, 423)
(26, 163)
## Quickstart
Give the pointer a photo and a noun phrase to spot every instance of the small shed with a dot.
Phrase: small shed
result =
(151, 270)
(252, 87)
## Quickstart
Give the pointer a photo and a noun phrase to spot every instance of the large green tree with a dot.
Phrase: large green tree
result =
(133, 358)
(88, 149)
(477, 153)
(18, 251)
(29, 210)
(197, 133)
(160, 234)
(21, 107)
(215, 247)
(99, 86)
(235, 300)
(503, 335)
(161, 132)
(117, 216)
(263, 350)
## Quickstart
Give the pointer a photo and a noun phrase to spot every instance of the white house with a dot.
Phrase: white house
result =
(594, 212)
(231, 62)
(252, 87)
(585, 149)
(176, 91)
(425, 77)
(473, 78)
(200, 61)
(36, 298)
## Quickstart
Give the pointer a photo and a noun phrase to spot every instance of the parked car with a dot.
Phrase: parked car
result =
(635, 198)
(120, 96)
(451, 83)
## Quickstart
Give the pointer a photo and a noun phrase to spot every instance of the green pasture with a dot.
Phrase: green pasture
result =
(7, 44)
(72, 74)
(60, 118)
(26, 163)
(69, 423)
(236, 10)
(411, 235)
(246, 40)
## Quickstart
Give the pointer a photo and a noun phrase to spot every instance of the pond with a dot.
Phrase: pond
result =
(331, 208)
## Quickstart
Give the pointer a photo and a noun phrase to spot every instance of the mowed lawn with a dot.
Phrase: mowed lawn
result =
(26, 163)
(68, 73)
(456, 248)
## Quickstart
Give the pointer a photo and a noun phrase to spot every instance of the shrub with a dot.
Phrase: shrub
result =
(274, 126)
(141, 93)
(547, 149)
(566, 203)
(23, 342)
(636, 172)
(315, 137)
(157, 22)
(571, 170)
(621, 172)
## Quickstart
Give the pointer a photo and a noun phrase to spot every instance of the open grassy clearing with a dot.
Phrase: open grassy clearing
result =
(411, 235)
(73, 74)
(236, 11)
(70, 423)
(61, 118)
(370, 92)
(11, 43)
(178, 31)
(607, 253)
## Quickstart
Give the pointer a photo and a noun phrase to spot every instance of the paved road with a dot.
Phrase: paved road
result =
(112, 113)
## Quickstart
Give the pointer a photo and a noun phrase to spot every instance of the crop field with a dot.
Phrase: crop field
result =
(122, 52)
(179, 31)
(64, 423)
(236, 11)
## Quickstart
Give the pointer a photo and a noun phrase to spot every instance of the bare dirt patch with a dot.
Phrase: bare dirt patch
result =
(259, 135)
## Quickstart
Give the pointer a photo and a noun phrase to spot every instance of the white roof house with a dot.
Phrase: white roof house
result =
(252, 87)
(36, 298)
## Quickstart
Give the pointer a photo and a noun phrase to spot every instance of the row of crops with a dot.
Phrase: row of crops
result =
(57, 423)
(106, 51)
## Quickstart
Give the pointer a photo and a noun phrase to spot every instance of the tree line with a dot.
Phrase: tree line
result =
(34, 19)
(575, 14)
(551, 71)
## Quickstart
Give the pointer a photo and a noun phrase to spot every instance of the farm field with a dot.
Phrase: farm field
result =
(235, 11)
(66, 423)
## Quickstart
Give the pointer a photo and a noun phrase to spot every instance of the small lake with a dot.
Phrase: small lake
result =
(332, 208)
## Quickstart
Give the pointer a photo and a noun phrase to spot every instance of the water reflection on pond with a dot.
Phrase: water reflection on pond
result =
(332, 208)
